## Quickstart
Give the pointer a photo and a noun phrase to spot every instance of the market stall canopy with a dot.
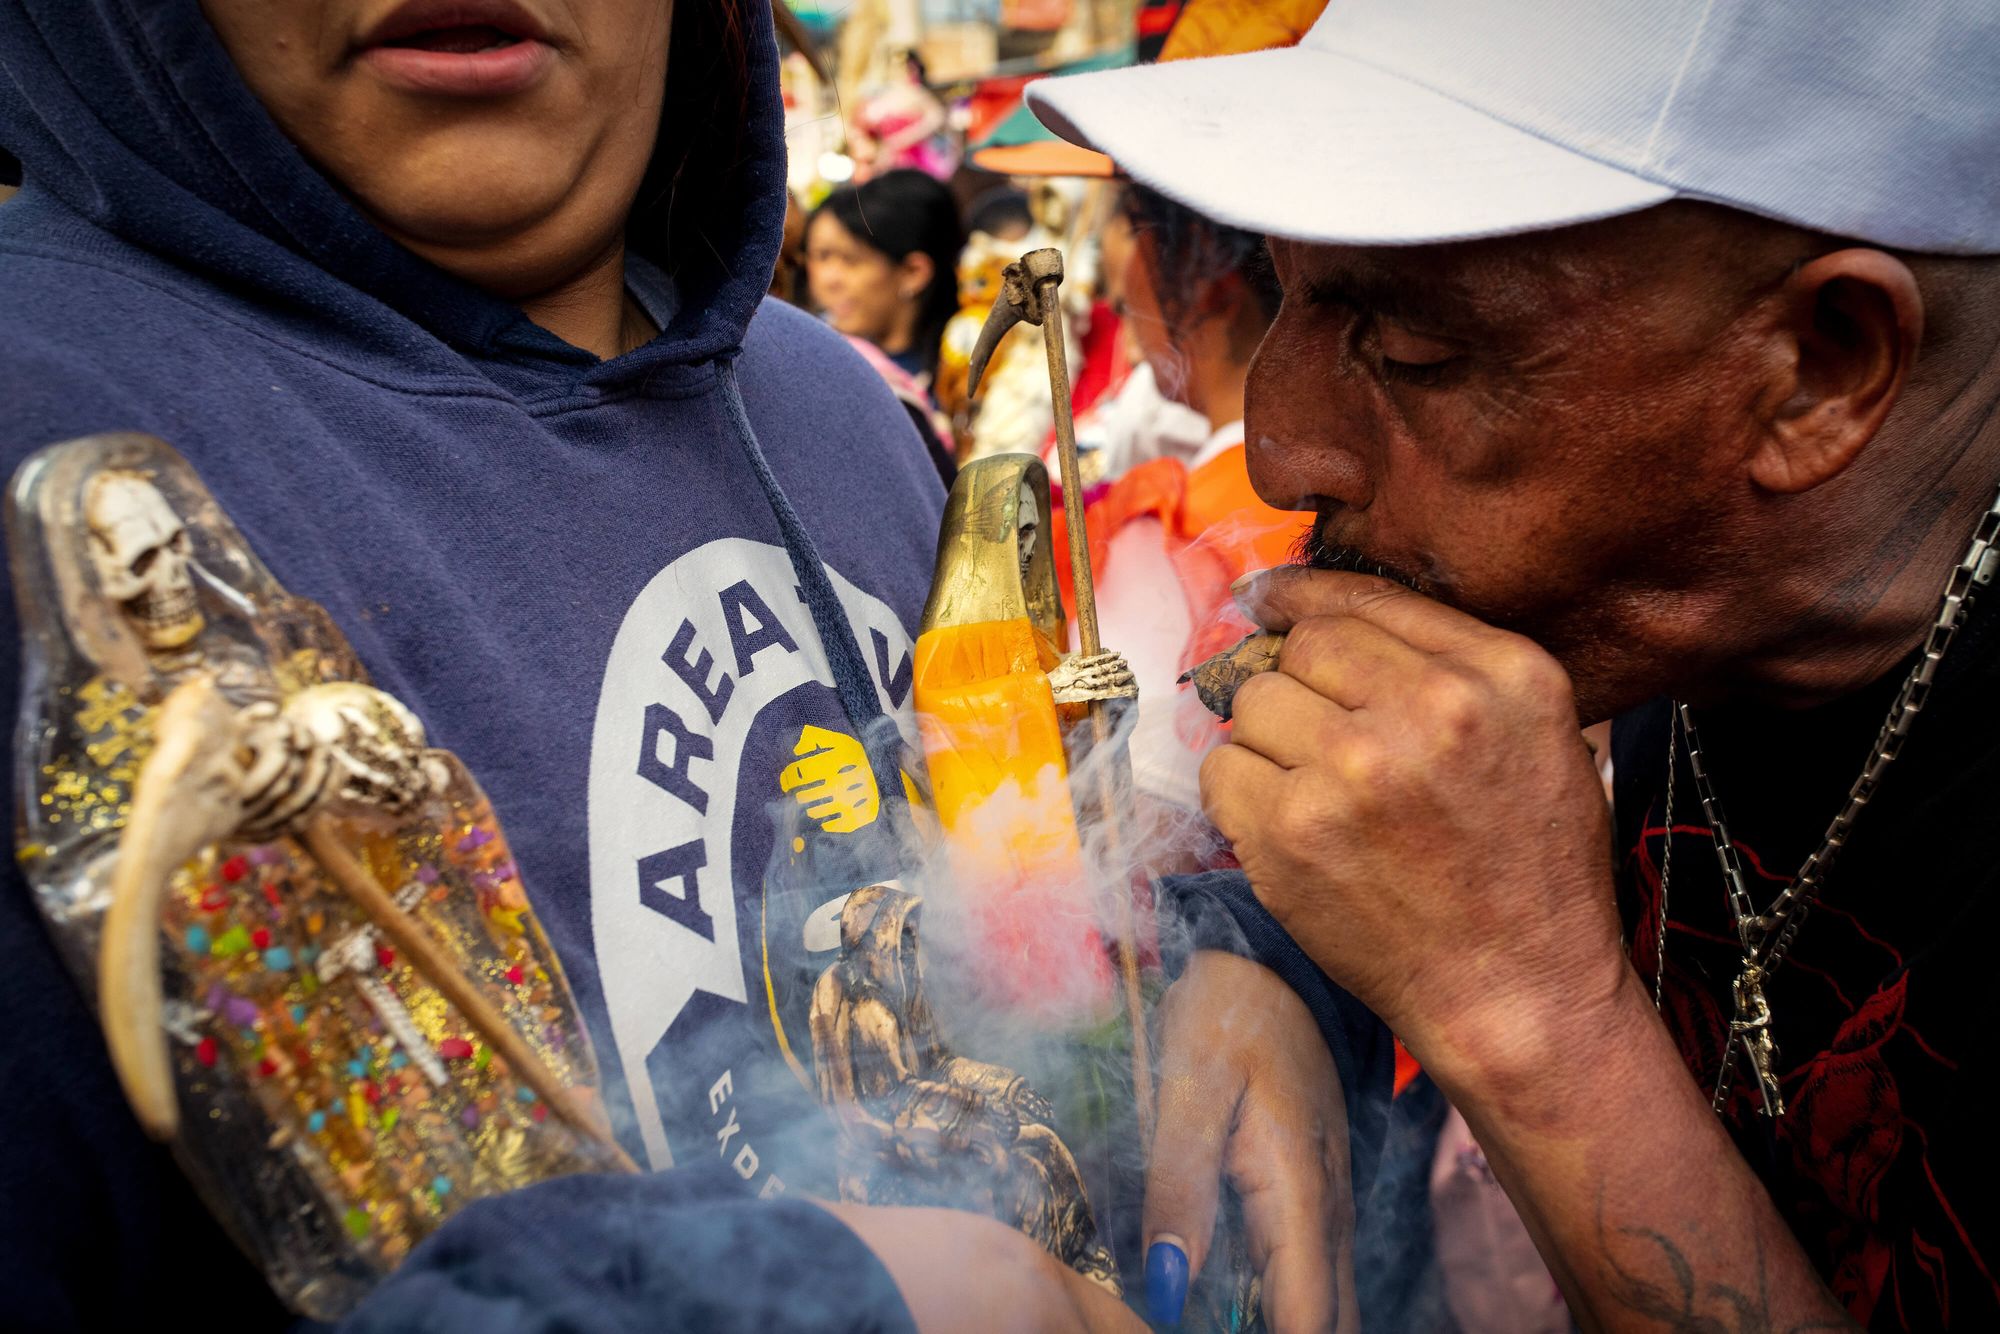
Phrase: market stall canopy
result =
(1020, 145)
(1006, 138)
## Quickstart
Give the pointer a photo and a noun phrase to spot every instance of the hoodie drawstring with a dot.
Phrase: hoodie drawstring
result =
(851, 679)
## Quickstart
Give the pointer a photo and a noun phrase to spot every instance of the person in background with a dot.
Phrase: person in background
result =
(901, 127)
(1176, 510)
(1002, 213)
(881, 261)
(788, 276)
(1196, 296)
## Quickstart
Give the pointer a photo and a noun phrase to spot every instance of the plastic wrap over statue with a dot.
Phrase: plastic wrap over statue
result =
(993, 637)
(205, 778)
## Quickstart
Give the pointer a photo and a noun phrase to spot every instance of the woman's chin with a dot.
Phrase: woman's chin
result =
(511, 241)
(847, 324)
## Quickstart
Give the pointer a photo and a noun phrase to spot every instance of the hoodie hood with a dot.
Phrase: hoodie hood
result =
(131, 116)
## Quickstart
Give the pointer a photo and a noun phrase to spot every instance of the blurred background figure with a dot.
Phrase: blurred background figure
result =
(1173, 511)
(901, 125)
(881, 262)
(1194, 297)
(1001, 213)
(881, 259)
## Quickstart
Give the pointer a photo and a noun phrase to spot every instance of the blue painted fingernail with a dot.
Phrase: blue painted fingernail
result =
(1166, 1282)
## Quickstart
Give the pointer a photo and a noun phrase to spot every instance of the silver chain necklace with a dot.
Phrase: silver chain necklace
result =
(1766, 937)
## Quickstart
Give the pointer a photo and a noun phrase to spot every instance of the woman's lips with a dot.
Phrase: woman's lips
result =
(459, 48)
(511, 66)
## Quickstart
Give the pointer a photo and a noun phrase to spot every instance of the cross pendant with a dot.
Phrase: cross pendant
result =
(1752, 1025)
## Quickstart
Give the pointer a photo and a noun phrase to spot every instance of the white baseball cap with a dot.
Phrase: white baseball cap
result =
(1398, 122)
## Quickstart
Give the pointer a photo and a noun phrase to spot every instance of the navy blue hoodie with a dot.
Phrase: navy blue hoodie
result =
(568, 567)
(628, 595)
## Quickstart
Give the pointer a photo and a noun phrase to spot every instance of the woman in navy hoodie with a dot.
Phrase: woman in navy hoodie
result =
(457, 308)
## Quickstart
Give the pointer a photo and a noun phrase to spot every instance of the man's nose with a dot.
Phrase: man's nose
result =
(1302, 428)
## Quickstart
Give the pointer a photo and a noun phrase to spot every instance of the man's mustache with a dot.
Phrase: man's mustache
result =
(1317, 551)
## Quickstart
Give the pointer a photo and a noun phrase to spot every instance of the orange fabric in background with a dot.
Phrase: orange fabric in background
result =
(1216, 528)
(1230, 27)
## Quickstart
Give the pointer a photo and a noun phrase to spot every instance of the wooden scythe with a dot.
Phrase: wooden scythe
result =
(1030, 293)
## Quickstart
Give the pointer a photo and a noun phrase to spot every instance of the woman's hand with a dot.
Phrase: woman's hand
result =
(1248, 1089)
(965, 1271)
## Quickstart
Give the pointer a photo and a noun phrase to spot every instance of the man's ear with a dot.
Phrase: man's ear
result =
(1854, 318)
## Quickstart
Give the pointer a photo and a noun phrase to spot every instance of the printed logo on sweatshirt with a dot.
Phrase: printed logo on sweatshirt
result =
(717, 656)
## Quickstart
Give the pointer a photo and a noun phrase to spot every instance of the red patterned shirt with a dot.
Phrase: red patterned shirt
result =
(1885, 1014)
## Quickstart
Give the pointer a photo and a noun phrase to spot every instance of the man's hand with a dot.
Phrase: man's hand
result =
(1248, 1089)
(963, 1271)
(1412, 800)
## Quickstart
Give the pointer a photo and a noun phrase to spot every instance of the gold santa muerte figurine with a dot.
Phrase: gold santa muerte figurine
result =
(922, 1126)
(996, 693)
(1000, 701)
(919, 1124)
(316, 967)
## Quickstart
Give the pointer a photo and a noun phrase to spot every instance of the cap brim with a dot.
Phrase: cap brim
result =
(1312, 146)
(1050, 157)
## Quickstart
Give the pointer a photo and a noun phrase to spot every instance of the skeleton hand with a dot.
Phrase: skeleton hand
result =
(1078, 679)
(216, 773)
(286, 774)
(374, 746)
(337, 742)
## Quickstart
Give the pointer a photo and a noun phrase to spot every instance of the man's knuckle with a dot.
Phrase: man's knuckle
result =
(1525, 671)
(1452, 702)
(1254, 695)
(1365, 765)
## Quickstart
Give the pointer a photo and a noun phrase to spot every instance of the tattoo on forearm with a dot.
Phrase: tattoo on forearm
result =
(1656, 1281)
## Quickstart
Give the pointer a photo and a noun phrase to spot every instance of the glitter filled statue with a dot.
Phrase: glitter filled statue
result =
(311, 953)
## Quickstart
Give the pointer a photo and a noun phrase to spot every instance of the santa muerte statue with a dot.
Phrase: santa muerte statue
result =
(313, 959)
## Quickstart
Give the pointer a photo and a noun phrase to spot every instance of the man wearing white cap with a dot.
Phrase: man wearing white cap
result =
(1639, 358)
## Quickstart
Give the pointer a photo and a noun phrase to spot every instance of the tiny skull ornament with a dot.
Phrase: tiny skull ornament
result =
(143, 558)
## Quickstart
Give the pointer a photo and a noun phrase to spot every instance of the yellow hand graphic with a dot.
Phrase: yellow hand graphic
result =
(832, 780)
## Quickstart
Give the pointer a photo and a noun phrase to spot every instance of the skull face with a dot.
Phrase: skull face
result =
(1027, 529)
(142, 553)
